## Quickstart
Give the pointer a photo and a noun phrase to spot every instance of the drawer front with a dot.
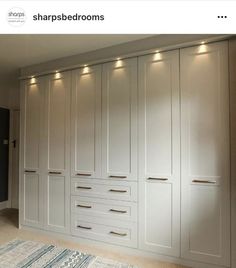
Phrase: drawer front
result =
(115, 232)
(111, 209)
(115, 190)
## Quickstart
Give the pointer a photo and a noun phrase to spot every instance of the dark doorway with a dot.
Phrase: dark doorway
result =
(4, 151)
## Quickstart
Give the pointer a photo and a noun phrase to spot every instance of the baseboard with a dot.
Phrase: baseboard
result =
(125, 250)
(3, 205)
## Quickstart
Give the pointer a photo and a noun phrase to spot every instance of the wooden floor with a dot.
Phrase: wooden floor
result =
(9, 231)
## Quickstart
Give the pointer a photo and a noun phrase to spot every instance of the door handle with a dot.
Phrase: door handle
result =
(84, 227)
(117, 176)
(14, 143)
(118, 211)
(119, 234)
(157, 179)
(83, 174)
(84, 187)
(117, 191)
(54, 172)
(203, 181)
(30, 171)
(83, 206)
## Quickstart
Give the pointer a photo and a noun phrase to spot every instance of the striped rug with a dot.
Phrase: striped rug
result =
(25, 254)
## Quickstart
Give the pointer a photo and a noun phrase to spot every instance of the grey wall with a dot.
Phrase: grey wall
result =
(9, 91)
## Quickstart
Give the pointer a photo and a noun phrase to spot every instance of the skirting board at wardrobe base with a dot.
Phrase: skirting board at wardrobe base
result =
(125, 250)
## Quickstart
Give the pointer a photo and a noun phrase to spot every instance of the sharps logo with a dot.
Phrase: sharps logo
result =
(16, 16)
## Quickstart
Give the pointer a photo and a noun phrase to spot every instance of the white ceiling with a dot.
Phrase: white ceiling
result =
(17, 51)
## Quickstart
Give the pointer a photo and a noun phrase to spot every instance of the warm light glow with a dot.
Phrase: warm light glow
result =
(33, 80)
(57, 75)
(119, 62)
(157, 56)
(85, 69)
(203, 42)
(202, 48)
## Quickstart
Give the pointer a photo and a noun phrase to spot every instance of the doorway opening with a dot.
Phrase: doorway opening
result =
(4, 156)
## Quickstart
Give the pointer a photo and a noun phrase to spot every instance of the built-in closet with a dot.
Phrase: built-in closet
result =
(132, 152)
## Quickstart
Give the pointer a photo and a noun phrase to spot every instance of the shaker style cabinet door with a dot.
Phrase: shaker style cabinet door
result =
(159, 153)
(31, 166)
(119, 123)
(57, 151)
(86, 123)
(205, 153)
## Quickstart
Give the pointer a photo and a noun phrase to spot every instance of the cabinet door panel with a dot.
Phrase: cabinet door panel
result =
(57, 122)
(86, 122)
(31, 164)
(205, 211)
(158, 213)
(57, 201)
(159, 153)
(57, 152)
(32, 125)
(205, 153)
(120, 119)
(31, 198)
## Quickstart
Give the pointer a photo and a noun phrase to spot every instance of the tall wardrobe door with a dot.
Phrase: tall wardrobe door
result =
(31, 167)
(86, 123)
(159, 153)
(119, 127)
(57, 152)
(205, 153)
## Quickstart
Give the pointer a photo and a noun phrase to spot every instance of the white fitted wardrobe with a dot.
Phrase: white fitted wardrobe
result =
(133, 152)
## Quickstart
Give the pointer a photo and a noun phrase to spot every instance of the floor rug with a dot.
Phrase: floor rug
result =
(25, 254)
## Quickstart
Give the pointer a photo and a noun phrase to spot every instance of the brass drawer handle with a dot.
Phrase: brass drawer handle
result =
(84, 227)
(117, 176)
(118, 211)
(119, 234)
(84, 187)
(157, 179)
(83, 206)
(54, 172)
(83, 174)
(30, 171)
(117, 191)
(203, 181)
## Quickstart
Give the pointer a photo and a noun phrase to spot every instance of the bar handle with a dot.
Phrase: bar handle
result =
(84, 227)
(117, 191)
(157, 179)
(119, 234)
(118, 211)
(117, 176)
(203, 181)
(55, 172)
(83, 174)
(83, 206)
(30, 171)
(84, 187)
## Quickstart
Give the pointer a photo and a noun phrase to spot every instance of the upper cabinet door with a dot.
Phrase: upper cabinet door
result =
(119, 126)
(57, 151)
(31, 166)
(86, 123)
(159, 153)
(205, 153)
